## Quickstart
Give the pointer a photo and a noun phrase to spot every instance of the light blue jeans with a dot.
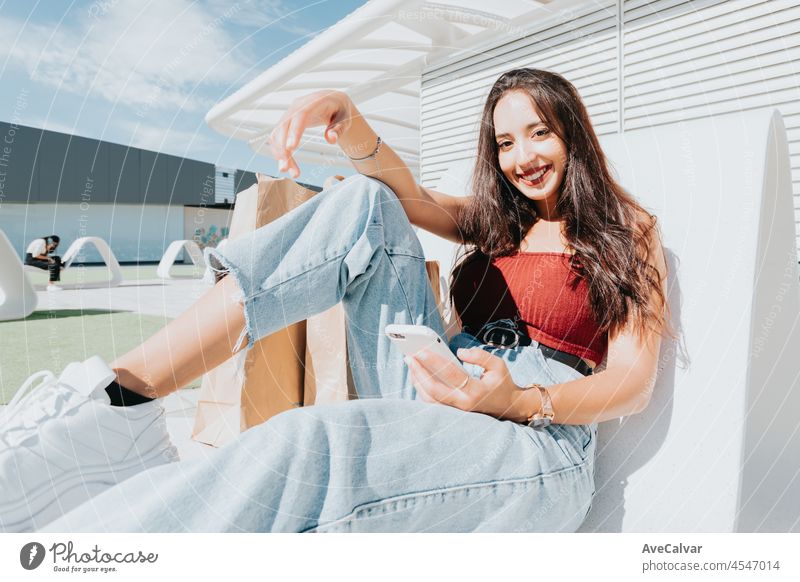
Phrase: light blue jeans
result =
(383, 463)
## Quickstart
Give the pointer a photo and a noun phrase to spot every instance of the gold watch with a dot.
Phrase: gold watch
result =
(543, 417)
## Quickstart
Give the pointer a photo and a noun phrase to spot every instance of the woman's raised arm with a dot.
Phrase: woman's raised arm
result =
(344, 125)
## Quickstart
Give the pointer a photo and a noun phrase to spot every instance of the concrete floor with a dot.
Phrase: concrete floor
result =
(149, 296)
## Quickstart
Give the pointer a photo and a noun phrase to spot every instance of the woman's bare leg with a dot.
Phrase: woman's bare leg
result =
(198, 340)
(352, 244)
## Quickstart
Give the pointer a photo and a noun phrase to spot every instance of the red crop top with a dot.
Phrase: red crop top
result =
(541, 290)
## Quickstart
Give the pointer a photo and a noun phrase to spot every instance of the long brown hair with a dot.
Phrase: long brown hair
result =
(608, 231)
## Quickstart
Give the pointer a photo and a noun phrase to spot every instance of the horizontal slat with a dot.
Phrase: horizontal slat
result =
(602, 84)
(452, 97)
(791, 108)
(740, 58)
(644, 7)
(603, 78)
(555, 55)
(459, 133)
(433, 176)
(469, 129)
(793, 133)
(758, 80)
(674, 64)
(745, 97)
(656, 78)
(575, 66)
(573, 62)
(791, 119)
(468, 134)
(715, 23)
(433, 169)
(645, 119)
(549, 32)
(443, 166)
(458, 143)
(597, 88)
(434, 117)
(444, 151)
(595, 21)
(599, 92)
(696, 48)
(644, 25)
(454, 145)
(449, 153)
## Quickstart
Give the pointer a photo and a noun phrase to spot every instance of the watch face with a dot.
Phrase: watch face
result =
(540, 423)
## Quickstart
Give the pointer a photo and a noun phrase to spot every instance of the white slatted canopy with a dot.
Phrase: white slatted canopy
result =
(376, 54)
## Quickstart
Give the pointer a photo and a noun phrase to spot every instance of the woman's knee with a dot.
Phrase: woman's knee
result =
(297, 431)
(374, 194)
(313, 428)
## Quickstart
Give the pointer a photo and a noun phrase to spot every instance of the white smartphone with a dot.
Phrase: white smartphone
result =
(413, 338)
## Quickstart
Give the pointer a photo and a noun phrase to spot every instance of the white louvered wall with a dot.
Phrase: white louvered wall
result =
(668, 61)
(583, 49)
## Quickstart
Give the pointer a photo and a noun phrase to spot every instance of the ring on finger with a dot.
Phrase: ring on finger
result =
(464, 383)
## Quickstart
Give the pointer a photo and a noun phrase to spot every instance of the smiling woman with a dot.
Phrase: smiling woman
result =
(504, 442)
(532, 157)
(554, 193)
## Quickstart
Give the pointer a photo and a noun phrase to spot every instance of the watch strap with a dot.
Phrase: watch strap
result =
(544, 416)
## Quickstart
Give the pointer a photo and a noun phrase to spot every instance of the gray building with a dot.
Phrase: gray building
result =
(137, 200)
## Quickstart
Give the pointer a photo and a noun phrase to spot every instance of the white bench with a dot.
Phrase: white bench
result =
(17, 296)
(172, 252)
(105, 253)
(718, 449)
(115, 272)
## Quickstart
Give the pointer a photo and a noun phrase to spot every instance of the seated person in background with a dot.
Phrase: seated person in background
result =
(36, 255)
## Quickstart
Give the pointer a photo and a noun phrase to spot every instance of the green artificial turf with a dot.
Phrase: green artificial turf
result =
(49, 340)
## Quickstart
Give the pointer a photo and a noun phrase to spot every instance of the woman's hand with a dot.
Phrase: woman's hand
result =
(333, 109)
(437, 379)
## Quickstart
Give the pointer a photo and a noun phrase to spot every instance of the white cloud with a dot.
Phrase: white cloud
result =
(262, 13)
(145, 55)
(168, 140)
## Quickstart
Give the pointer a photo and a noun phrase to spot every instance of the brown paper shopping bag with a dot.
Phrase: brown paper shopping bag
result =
(300, 365)
(258, 383)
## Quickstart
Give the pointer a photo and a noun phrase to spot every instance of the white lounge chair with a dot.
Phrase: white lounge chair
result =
(72, 253)
(718, 448)
(105, 253)
(17, 296)
(172, 252)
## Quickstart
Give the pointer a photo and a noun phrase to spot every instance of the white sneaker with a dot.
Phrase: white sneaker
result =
(63, 443)
(54, 288)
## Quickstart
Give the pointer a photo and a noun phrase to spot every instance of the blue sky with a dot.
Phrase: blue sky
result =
(119, 70)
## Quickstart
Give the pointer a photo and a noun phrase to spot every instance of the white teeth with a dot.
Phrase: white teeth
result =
(536, 176)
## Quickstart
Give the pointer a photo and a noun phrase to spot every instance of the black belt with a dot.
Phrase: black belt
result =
(505, 334)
